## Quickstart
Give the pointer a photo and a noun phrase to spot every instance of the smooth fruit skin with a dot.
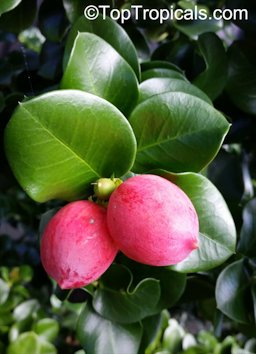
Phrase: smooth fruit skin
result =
(76, 247)
(152, 221)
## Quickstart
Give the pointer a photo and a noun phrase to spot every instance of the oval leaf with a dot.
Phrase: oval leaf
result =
(241, 85)
(213, 52)
(247, 242)
(217, 237)
(111, 32)
(126, 305)
(100, 336)
(29, 342)
(96, 67)
(7, 5)
(164, 275)
(156, 86)
(232, 291)
(59, 143)
(177, 132)
(162, 72)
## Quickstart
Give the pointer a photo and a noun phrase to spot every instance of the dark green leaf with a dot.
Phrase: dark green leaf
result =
(20, 18)
(169, 294)
(96, 67)
(217, 237)
(177, 132)
(45, 218)
(100, 336)
(232, 290)
(131, 306)
(160, 64)
(153, 328)
(74, 8)
(197, 27)
(213, 79)
(7, 5)
(118, 301)
(241, 86)
(247, 242)
(52, 20)
(157, 86)
(162, 72)
(111, 32)
(59, 143)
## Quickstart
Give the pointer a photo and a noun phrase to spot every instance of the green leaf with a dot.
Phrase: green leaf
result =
(162, 72)
(100, 336)
(7, 5)
(156, 86)
(59, 143)
(167, 277)
(247, 242)
(127, 305)
(21, 17)
(29, 342)
(160, 64)
(232, 290)
(153, 328)
(241, 85)
(4, 291)
(213, 79)
(74, 8)
(111, 32)
(217, 236)
(47, 329)
(177, 132)
(25, 309)
(96, 67)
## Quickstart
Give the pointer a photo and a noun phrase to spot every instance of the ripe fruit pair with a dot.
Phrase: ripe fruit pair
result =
(148, 218)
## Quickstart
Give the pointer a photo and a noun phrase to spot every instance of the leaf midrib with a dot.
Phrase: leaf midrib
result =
(164, 141)
(60, 141)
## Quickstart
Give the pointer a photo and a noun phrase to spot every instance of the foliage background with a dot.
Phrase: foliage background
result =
(34, 315)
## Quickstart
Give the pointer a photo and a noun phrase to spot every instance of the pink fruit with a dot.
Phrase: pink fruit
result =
(76, 247)
(152, 221)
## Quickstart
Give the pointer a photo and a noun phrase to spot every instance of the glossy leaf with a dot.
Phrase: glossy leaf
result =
(213, 52)
(156, 86)
(100, 336)
(4, 291)
(74, 8)
(153, 328)
(160, 64)
(52, 20)
(247, 242)
(111, 32)
(29, 342)
(177, 132)
(131, 306)
(118, 299)
(162, 72)
(59, 143)
(47, 329)
(7, 5)
(217, 237)
(96, 67)
(167, 277)
(232, 290)
(25, 310)
(241, 85)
